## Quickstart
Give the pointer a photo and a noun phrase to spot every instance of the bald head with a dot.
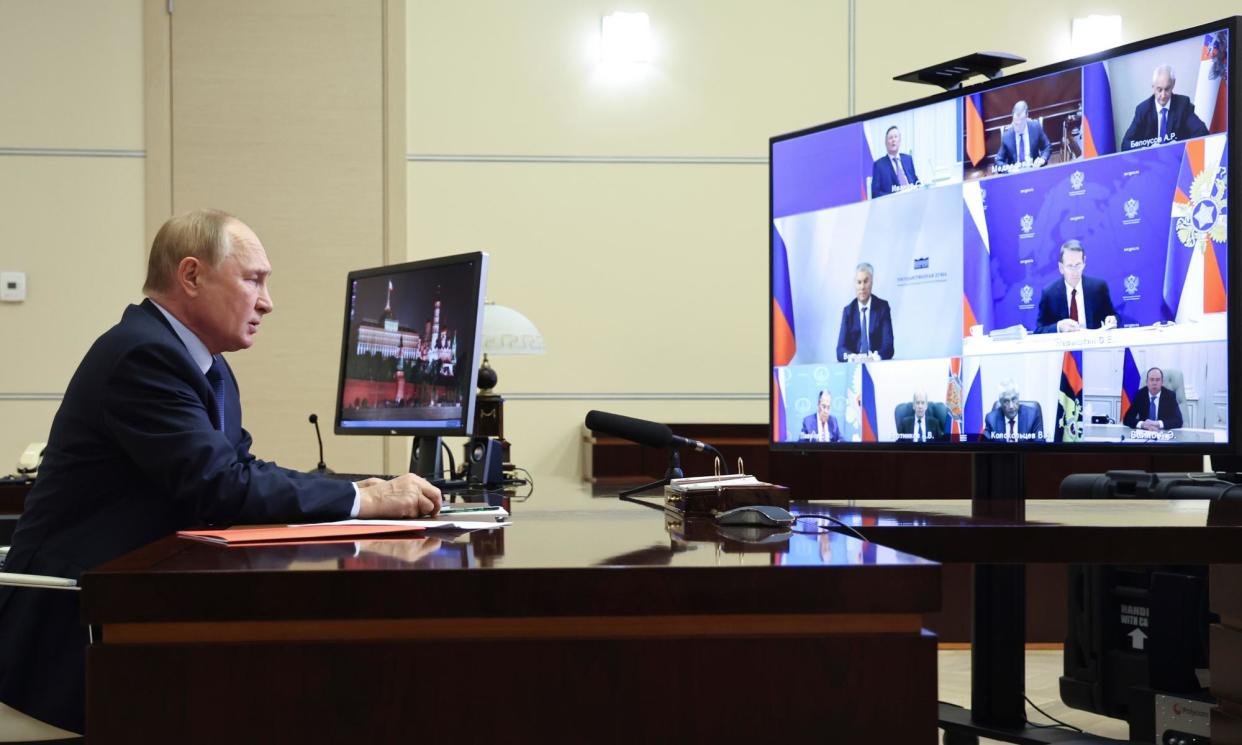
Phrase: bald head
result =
(206, 235)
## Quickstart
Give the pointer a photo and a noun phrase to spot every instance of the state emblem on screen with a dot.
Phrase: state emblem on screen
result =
(1131, 208)
(1132, 284)
(1028, 223)
(1076, 180)
(1205, 216)
(1028, 294)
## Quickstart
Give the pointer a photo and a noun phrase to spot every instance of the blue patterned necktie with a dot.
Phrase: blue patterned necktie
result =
(1020, 159)
(865, 346)
(1164, 123)
(1151, 409)
(215, 376)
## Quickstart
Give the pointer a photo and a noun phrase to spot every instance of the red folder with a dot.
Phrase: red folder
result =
(292, 533)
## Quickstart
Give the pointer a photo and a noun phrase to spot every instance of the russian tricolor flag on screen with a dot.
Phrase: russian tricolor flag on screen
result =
(784, 341)
(977, 279)
(972, 412)
(869, 420)
(1130, 381)
(778, 405)
(1098, 137)
(976, 148)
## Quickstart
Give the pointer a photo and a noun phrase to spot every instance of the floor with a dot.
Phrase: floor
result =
(1043, 668)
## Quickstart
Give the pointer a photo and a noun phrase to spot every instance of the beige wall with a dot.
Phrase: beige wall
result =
(71, 220)
(278, 116)
(646, 276)
(928, 34)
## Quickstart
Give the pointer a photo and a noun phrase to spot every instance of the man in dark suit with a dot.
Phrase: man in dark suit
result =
(1153, 409)
(869, 312)
(1024, 143)
(148, 440)
(1075, 302)
(1165, 117)
(917, 426)
(822, 425)
(1012, 421)
(895, 171)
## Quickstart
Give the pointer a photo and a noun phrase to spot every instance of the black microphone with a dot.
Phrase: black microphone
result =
(323, 467)
(651, 434)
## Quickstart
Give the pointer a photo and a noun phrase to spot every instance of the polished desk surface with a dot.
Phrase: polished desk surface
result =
(586, 619)
(556, 558)
(1113, 531)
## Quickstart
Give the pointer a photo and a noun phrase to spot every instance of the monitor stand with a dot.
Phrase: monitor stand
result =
(998, 666)
(425, 458)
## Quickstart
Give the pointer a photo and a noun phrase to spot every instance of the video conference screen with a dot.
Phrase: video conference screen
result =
(408, 362)
(1044, 261)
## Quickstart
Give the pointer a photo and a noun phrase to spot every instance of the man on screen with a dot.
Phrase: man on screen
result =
(1165, 117)
(1154, 408)
(1024, 143)
(1075, 302)
(866, 323)
(917, 426)
(822, 425)
(148, 440)
(1012, 421)
(895, 171)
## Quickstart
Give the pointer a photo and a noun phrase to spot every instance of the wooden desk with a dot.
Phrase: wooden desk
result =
(595, 624)
(13, 496)
(1060, 531)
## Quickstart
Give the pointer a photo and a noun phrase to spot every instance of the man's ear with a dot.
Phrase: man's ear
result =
(190, 276)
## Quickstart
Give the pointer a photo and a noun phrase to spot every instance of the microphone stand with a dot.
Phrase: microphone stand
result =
(322, 469)
(672, 472)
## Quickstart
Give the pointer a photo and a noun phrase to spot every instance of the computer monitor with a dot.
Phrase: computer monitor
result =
(410, 352)
(1033, 263)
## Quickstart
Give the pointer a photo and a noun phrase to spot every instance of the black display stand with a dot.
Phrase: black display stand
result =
(998, 637)
(997, 675)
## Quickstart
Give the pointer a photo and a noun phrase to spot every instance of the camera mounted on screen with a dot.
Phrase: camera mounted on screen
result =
(949, 75)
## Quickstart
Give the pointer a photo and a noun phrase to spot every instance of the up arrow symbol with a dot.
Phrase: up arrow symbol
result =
(1137, 637)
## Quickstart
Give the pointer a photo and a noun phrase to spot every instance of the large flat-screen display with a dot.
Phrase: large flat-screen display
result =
(1038, 262)
(410, 349)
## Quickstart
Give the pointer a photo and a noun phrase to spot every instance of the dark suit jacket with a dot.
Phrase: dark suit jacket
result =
(884, 179)
(1054, 306)
(132, 456)
(1030, 422)
(1037, 144)
(934, 430)
(811, 427)
(880, 329)
(1145, 127)
(1167, 410)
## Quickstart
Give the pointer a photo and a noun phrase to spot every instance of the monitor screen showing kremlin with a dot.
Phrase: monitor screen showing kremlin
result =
(410, 350)
(1033, 263)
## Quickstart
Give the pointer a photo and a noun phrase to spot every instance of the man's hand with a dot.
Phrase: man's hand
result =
(403, 497)
(1067, 324)
(1110, 322)
(1038, 162)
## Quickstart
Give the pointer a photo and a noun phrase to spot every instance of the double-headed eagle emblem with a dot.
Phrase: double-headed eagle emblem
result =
(1205, 216)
